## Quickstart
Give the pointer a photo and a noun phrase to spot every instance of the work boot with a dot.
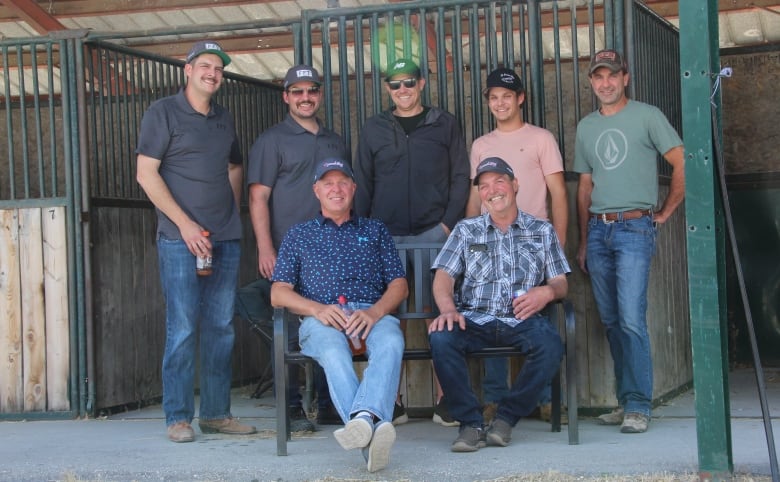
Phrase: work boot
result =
(181, 432)
(227, 425)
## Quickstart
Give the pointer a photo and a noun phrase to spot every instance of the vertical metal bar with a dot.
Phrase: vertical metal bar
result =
(327, 69)
(536, 63)
(346, 131)
(422, 46)
(23, 123)
(558, 76)
(36, 93)
(476, 63)
(360, 75)
(575, 69)
(491, 40)
(441, 58)
(698, 61)
(376, 67)
(10, 124)
(457, 78)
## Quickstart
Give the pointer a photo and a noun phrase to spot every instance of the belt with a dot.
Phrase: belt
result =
(622, 216)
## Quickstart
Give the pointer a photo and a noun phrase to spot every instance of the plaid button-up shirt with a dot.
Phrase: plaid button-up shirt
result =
(493, 264)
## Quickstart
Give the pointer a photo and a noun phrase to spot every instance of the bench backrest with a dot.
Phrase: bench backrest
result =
(417, 259)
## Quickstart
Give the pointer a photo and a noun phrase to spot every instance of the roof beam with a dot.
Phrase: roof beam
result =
(35, 16)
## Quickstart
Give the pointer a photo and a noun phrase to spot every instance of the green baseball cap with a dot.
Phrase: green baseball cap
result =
(402, 66)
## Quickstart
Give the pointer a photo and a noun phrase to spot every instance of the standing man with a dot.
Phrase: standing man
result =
(412, 171)
(616, 155)
(496, 254)
(281, 166)
(338, 254)
(190, 166)
(533, 155)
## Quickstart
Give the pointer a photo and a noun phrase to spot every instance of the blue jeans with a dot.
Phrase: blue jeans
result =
(198, 309)
(618, 257)
(535, 337)
(494, 387)
(377, 389)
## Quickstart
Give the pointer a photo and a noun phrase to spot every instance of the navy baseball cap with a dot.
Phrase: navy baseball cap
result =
(301, 73)
(493, 164)
(506, 78)
(333, 164)
(208, 47)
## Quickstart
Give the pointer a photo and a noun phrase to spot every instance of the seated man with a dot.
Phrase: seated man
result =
(339, 255)
(503, 256)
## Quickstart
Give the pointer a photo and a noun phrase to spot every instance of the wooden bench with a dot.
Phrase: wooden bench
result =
(417, 307)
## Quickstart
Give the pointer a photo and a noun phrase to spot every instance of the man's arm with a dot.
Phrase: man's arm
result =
(559, 208)
(259, 212)
(584, 190)
(148, 177)
(474, 206)
(459, 180)
(540, 296)
(676, 157)
(236, 178)
(443, 293)
(284, 295)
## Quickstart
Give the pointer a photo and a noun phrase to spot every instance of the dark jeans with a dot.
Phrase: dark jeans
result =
(536, 338)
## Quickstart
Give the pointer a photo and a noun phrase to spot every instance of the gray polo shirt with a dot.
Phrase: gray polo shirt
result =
(283, 158)
(194, 151)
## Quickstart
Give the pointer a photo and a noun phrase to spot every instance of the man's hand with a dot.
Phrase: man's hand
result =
(582, 259)
(266, 262)
(192, 235)
(361, 322)
(447, 320)
(332, 315)
(532, 302)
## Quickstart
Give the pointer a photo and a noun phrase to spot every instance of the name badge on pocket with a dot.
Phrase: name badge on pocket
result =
(478, 248)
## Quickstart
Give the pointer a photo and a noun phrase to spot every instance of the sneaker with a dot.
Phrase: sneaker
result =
(489, 412)
(442, 416)
(299, 422)
(470, 439)
(328, 415)
(377, 454)
(545, 413)
(399, 413)
(615, 417)
(499, 433)
(227, 425)
(181, 432)
(356, 434)
(635, 422)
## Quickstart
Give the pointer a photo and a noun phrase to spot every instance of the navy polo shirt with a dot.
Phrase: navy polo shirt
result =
(323, 260)
(284, 158)
(194, 150)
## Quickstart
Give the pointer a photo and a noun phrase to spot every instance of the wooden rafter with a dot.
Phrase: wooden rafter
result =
(35, 16)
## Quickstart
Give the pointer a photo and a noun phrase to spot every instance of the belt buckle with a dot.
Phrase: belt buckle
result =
(605, 220)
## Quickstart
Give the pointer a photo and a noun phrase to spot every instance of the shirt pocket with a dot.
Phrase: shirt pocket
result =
(479, 266)
(529, 260)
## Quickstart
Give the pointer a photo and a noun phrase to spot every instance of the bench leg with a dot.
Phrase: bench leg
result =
(280, 381)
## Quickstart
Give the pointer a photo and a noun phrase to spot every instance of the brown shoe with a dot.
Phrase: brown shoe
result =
(227, 425)
(489, 412)
(545, 413)
(181, 432)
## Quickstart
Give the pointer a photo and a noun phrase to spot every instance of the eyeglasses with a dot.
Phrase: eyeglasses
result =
(299, 92)
(396, 84)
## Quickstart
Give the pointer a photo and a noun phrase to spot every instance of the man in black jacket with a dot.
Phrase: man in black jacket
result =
(412, 172)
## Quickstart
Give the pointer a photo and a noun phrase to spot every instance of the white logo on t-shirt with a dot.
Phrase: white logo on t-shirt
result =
(611, 148)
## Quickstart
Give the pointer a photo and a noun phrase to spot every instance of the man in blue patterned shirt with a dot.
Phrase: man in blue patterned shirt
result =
(498, 254)
(338, 254)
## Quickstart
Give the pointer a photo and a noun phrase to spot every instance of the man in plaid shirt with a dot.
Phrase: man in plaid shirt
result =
(511, 265)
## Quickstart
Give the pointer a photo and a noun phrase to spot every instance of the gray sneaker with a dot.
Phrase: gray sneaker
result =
(470, 439)
(377, 454)
(356, 434)
(499, 433)
(635, 423)
(299, 422)
(615, 417)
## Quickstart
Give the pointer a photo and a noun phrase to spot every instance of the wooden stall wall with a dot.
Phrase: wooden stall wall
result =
(35, 332)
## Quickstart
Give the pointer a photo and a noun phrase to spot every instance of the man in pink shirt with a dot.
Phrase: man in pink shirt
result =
(533, 154)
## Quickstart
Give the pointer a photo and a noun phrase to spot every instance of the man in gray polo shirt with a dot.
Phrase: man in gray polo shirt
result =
(190, 167)
(281, 167)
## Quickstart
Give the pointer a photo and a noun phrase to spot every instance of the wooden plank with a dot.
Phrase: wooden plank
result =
(11, 386)
(55, 266)
(33, 315)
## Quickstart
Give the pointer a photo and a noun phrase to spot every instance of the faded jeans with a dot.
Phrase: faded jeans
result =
(198, 317)
(376, 391)
(618, 256)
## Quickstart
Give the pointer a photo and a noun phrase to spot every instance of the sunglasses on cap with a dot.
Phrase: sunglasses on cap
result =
(396, 84)
(296, 92)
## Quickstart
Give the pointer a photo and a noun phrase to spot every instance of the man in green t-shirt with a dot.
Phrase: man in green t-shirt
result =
(616, 155)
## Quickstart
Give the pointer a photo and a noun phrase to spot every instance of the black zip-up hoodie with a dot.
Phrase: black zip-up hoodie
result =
(413, 182)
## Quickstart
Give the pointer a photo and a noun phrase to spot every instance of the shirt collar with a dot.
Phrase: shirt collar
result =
(520, 221)
(297, 128)
(322, 220)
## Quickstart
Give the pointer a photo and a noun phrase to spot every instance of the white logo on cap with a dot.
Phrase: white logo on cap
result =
(507, 78)
(304, 73)
(333, 163)
(210, 46)
(489, 163)
(399, 65)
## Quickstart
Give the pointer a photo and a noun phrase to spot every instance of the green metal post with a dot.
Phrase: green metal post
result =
(699, 62)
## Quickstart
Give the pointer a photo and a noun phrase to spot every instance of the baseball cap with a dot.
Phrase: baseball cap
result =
(493, 164)
(208, 47)
(301, 73)
(506, 78)
(607, 58)
(333, 164)
(402, 66)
